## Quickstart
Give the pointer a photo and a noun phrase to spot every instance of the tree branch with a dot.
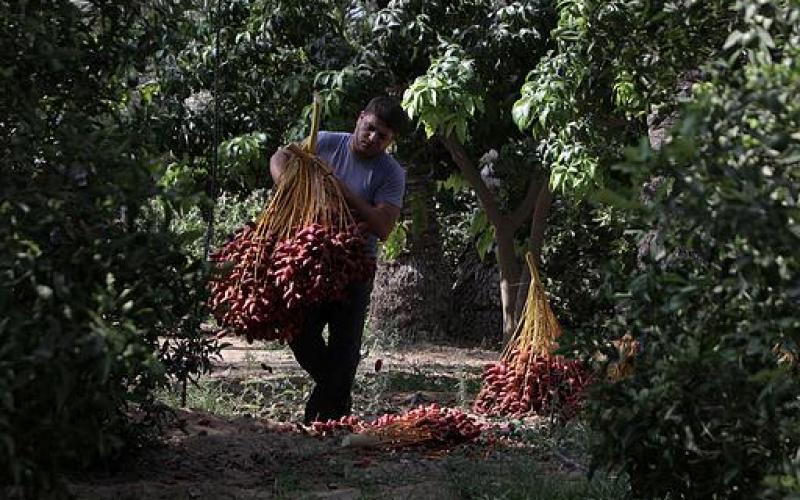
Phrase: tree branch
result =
(473, 176)
(541, 209)
(526, 207)
(539, 224)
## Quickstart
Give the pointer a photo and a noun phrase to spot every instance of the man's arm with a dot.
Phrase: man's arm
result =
(380, 219)
(277, 163)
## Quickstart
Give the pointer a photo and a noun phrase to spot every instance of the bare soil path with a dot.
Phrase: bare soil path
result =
(238, 437)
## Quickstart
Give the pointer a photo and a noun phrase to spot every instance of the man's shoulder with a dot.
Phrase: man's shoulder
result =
(327, 137)
(392, 164)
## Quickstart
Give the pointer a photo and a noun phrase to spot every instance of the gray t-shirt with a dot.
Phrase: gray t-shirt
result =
(377, 180)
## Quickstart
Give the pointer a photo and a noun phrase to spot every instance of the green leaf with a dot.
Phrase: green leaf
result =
(732, 40)
(485, 242)
(461, 131)
(521, 113)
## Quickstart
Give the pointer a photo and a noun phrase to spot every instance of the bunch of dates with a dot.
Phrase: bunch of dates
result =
(262, 286)
(532, 384)
(421, 425)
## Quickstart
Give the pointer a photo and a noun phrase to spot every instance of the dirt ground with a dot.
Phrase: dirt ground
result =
(256, 450)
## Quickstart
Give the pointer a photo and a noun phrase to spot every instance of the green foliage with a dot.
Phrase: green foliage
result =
(615, 62)
(179, 216)
(573, 165)
(457, 208)
(85, 296)
(714, 424)
(716, 307)
(627, 97)
(550, 105)
(269, 54)
(464, 224)
(242, 157)
(784, 483)
(335, 89)
(473, 55)
(549, 101)
(445, 98)
(582, 238)
(523, 478)
(483, 232)
(395, 243)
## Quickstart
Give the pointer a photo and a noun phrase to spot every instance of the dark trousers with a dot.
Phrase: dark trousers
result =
(332, 366)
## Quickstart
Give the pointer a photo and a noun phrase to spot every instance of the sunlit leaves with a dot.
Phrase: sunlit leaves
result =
(395, 243)
(573, 169)
(445, 99)
(627, 98)
(549, 97)
(614, 62)
(241, 155)
(549, 107)
(483, 232)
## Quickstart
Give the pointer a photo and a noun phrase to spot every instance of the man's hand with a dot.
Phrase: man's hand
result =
(281, 157)
(379, 219)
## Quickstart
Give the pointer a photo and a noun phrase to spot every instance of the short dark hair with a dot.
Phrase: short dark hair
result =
(389, 111)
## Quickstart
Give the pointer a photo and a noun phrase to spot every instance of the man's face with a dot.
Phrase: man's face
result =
(372, 136)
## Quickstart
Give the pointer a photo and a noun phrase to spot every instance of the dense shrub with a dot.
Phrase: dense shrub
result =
(84, 295)
(712, 408)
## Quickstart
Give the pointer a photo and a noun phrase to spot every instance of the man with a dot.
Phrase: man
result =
(373, 183)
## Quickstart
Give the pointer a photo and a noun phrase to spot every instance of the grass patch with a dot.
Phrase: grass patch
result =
(521, 477)
(409, 382)
(287, 484)
(277, 399)
(372, 391)
(207, 396)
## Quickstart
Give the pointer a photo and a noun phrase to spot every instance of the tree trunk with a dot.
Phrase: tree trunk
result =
(510, 268)
(504, 225)
(535, 242)
(410, 297)
(475, 307)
